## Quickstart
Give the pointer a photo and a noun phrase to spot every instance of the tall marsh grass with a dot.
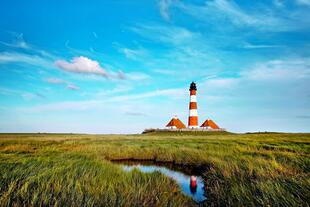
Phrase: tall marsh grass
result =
(74, 170)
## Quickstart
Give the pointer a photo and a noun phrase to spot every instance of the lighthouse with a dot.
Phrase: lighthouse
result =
(193, 115)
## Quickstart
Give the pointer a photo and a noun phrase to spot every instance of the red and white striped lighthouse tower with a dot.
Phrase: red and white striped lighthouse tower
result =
(193, 115)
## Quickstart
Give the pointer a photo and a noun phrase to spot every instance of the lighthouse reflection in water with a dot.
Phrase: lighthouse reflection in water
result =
(193, 184)
(190, 185)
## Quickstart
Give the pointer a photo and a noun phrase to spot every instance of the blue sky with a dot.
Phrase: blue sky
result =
(123, 66)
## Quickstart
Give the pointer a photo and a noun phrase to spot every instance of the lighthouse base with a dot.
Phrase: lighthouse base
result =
(184, 130)
(193, 127)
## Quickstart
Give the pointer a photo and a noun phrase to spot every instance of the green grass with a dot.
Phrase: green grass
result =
(257, 169)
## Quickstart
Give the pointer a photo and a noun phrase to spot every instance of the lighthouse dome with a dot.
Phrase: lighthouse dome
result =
(193, 86)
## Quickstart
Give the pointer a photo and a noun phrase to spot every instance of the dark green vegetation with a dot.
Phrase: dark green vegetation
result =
(68, 169)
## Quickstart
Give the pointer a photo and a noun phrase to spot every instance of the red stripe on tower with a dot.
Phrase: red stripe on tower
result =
(193, 115)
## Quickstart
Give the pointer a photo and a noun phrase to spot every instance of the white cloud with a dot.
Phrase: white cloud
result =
(232, 11)
(303, 2)
(260, 73)
(8, 91)
(189, 50)
(29, 96)
(278, 3)
(98, 103)
(219, 12)
(171, 93)
(82, 65)
(72, 87)
(164, 8)
(45, 60)
(18, 42)
(133, 54)
(164, 72)
(252, 46)
(79, 64)
(63, 106)
(223, 82)
(121, 75)
(129, 76)
(95, 35)
(221, 9)
(167, 34)
(14, 57)
(136, 76)
(129, 53)
(133, 113)
(36, 57)
(23, 94)
(56, 81)
(122, 88)
(279, 70)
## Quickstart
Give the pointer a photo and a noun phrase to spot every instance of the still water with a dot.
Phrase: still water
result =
(183, 179)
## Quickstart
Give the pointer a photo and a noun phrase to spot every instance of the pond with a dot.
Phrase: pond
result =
(189, 180)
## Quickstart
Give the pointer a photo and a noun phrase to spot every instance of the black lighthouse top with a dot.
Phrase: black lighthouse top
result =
(193, 86)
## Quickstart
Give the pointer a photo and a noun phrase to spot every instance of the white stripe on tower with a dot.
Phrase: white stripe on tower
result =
(193, 114)
(193, 98)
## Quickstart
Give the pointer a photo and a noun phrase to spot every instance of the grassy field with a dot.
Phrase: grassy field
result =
(267, 169)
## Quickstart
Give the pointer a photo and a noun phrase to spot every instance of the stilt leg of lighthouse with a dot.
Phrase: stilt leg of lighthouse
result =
(193, 115)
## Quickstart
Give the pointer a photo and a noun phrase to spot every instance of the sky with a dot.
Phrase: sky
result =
(122, 66)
